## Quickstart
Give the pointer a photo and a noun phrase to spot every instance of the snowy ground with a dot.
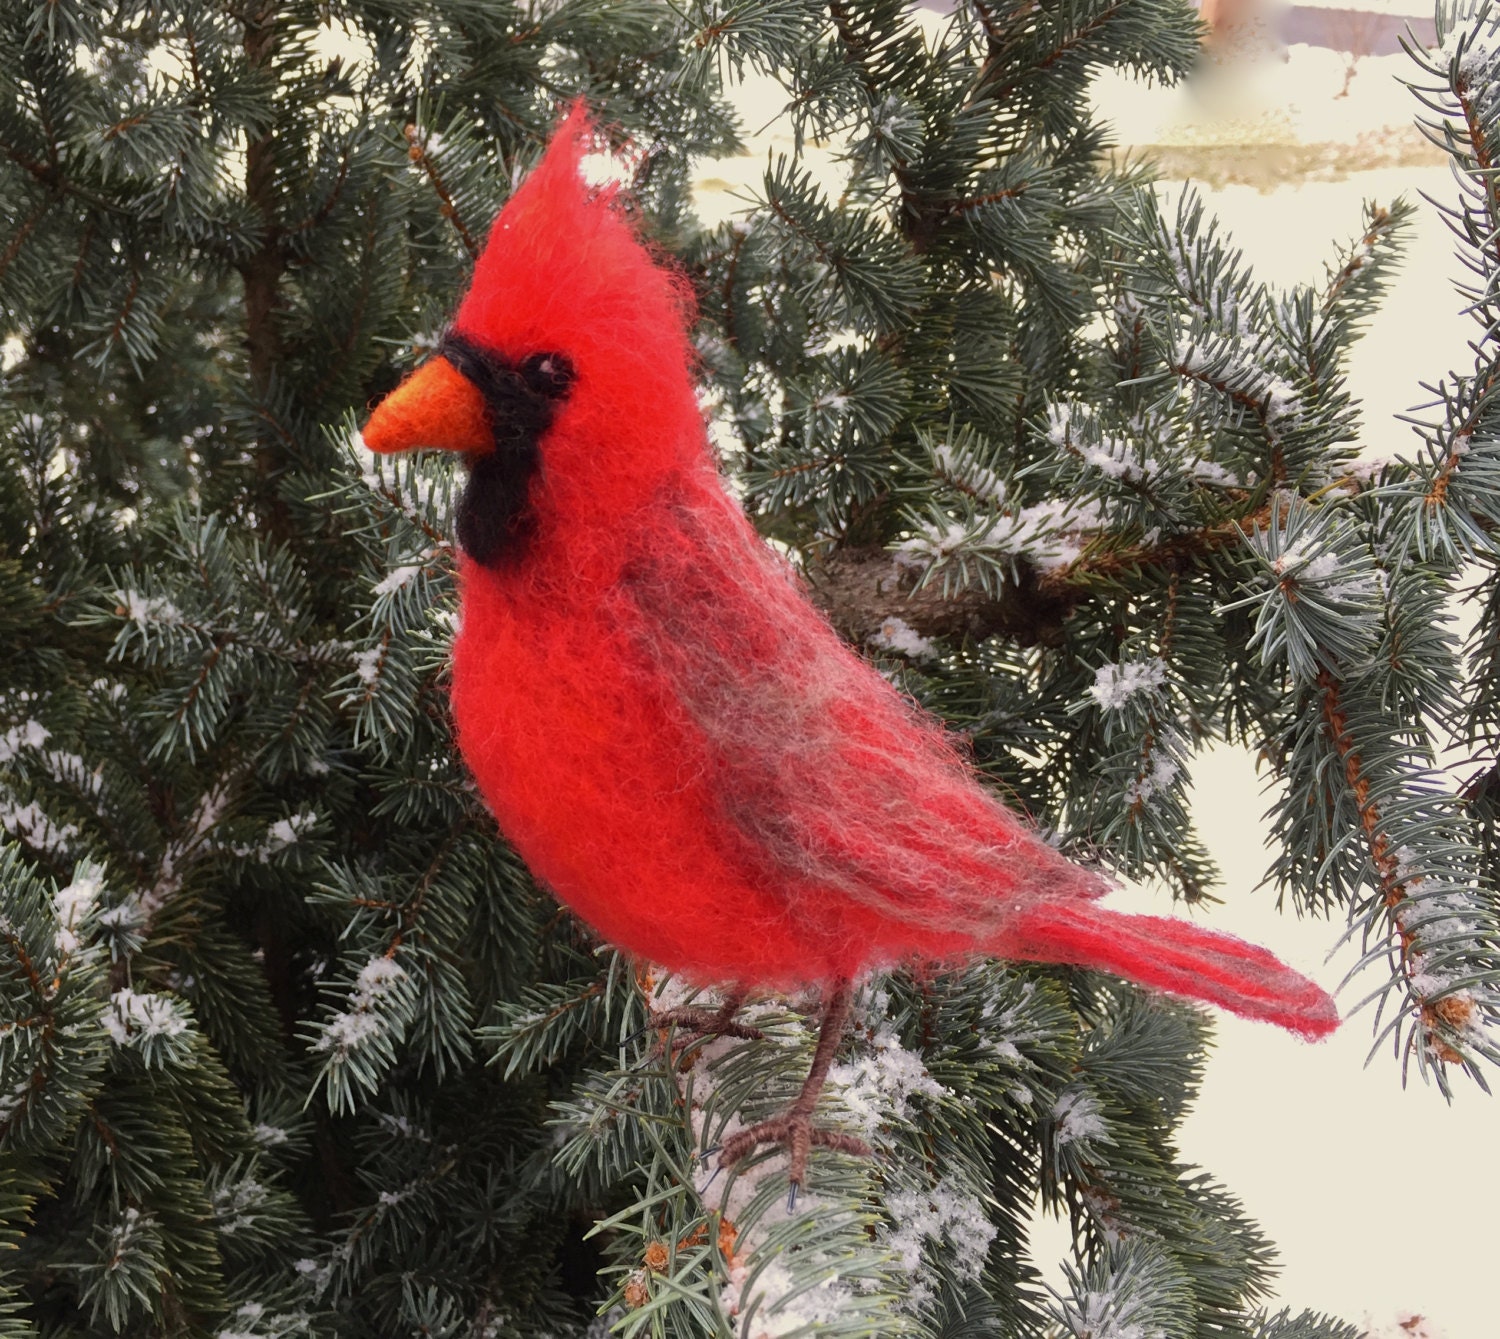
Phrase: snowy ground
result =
(1378, 1198)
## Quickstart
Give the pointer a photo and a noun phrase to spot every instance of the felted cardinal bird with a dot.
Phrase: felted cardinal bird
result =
(670, 734)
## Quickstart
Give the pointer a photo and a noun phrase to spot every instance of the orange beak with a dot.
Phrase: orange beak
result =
(436, 406)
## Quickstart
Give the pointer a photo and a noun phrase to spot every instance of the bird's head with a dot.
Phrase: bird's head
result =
(566, 376)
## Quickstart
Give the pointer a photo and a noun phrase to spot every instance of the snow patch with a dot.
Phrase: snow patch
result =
(897, 635)
(1077, 1116)
(1115, 685)
(779, 1309)
(878, 1086)
(27, 735)
(74, 903)
(132, 1017)
(1211, 472)
(270, 1325)
(377, 981)
(284, 832)
(396, 578)
(367, 664)
(952, 1220)
(236, 1205)
(970, 475)
(28, 823)
(1161, 773)
(1048, 534)
(143, 609)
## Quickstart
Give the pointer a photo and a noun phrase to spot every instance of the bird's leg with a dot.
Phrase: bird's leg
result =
(700, 1023)
(794, 1127)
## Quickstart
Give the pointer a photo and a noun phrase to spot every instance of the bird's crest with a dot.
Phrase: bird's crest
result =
(563, 267)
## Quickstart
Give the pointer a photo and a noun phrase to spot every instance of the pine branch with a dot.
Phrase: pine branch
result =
(419, 155)
(863, 590)
(1449, 1012)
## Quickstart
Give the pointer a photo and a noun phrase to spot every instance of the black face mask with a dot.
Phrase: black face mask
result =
(495, 519)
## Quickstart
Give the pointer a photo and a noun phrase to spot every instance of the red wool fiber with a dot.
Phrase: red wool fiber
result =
(677, 742)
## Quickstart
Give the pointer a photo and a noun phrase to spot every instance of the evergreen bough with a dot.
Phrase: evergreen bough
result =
(289, 1043)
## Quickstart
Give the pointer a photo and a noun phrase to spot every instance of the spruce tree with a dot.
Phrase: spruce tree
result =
(290, 1043)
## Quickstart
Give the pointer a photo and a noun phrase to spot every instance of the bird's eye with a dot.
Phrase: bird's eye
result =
(549, 374)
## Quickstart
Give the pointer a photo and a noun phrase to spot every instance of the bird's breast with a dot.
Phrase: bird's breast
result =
(584, 753)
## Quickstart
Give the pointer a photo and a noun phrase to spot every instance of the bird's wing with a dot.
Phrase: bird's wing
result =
(827, 786)
(826, 777)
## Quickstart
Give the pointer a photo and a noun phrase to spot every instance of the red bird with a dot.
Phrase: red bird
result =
(673, 738)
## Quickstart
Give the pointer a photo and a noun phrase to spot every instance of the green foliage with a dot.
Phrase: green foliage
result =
(291, 1046)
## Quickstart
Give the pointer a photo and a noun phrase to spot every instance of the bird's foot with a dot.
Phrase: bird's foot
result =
(795, 1131)
(690, 1024)
(696, 1023)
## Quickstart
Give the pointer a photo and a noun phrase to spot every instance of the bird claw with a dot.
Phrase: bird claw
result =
(704, 1023)
(795, 1132)
(693, 1024)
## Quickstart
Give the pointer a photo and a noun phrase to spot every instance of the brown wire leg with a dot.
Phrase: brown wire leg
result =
(794, 1127)
(694, 1022)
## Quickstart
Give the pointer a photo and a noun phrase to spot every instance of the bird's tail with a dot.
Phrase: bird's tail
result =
(1175, 956)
